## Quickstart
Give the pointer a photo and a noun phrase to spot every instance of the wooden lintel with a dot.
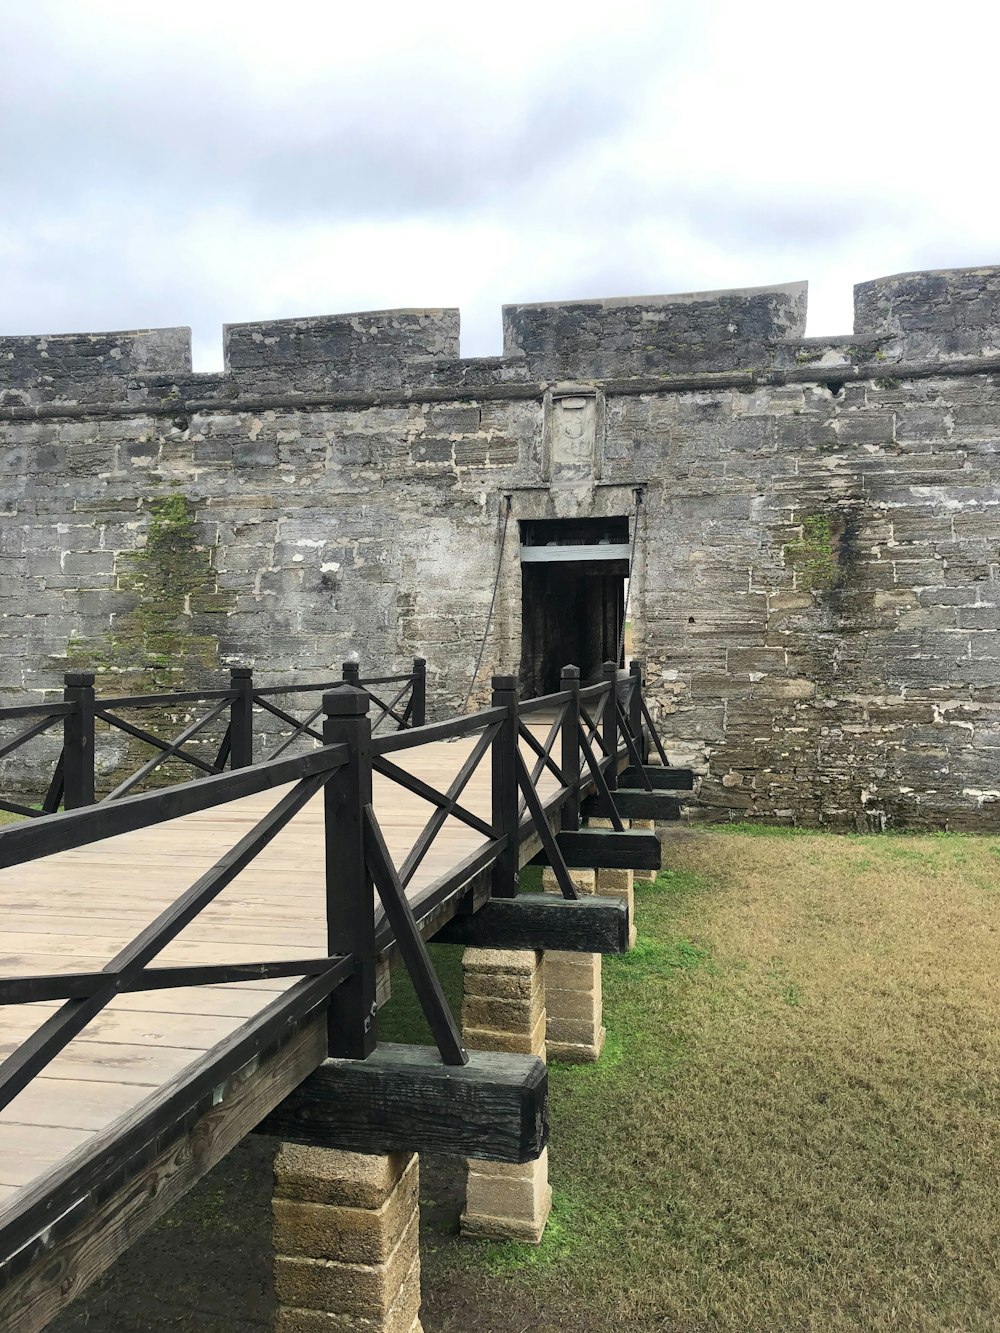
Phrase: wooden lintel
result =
(635, 804)
(660, 779)
(403, 1099)
(543, 921)
(601, 849)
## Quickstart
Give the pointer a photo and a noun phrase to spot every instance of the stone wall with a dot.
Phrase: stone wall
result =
(816, 580)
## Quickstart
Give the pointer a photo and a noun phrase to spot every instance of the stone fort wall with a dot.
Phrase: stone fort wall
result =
(816, 583)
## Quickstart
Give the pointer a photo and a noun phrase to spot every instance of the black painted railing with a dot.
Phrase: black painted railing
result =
(587, 734)
(607, 717)
(242, 707)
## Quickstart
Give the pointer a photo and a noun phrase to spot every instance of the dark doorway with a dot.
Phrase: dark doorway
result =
(572, 598)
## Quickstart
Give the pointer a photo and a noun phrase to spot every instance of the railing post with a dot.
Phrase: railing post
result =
(635, 710)
(350, 894)
(506, 868)
(418, 712)
(570, 758)
(610, 722)
(78, 740)
(352, 674)
(241, 718)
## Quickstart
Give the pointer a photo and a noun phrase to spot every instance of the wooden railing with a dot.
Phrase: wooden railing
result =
(242, 705)
(591, 732)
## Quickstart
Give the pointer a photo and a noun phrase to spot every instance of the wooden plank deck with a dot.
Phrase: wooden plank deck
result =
(72, 911)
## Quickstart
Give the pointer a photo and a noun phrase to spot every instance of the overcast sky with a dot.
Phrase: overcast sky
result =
(208, 161)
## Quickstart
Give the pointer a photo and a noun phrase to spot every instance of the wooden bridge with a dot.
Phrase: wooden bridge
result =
(250, 917)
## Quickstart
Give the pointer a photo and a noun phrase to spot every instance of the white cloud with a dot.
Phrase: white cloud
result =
(214, 162)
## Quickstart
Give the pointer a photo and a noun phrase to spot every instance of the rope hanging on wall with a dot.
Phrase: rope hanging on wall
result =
(631, 572)
(493, 600)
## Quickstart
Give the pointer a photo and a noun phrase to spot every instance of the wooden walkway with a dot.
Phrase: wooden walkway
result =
(74, 910)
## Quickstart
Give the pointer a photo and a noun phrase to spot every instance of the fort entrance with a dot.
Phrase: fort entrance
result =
(573, 578)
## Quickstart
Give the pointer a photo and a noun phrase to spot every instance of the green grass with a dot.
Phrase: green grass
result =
(794, 1122)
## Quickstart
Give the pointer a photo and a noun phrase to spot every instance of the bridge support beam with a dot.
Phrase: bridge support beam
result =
(346, 1241)
(504, 1010)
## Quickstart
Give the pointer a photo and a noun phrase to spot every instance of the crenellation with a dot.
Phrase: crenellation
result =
(370, 350)
(630, 336)
(86, 368)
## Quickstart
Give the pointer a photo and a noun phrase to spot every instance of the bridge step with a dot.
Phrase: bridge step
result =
(634, 803)
(603, 849)
(403, 1099)
(661, 779)
(543, 921)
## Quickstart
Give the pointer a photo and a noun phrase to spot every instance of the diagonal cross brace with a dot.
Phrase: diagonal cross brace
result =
(305, 726)
(552, 849)
(411, 945)
(633, 749)
(410, 782)
(544, 753)
(169, 750)
(593, 724)
(604, 791)
(430, 830)
(29, 734)
(288, 717)
(388, 709)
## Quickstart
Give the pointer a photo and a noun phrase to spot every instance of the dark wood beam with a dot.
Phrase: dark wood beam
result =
(601, 849)
(661, 779)
(633, 804)
(403, 1099)
(543, 921)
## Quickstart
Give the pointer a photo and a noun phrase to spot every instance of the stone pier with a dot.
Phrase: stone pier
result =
(574, 1031)
(504, 1010)
(648, 826)
(346, 1241)
(619, 884)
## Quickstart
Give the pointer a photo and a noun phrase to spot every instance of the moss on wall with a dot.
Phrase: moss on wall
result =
(165, 638)
(816, 557)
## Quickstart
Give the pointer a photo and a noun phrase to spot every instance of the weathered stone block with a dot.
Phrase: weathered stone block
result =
(503, 985)
(505, 1202)
(572, 971)
(330, 1176)
(583, 880)
(403, 1315)
(480, 1011)
(517, 962)
(353, 1235)
(346, 1288)
(516, 1043)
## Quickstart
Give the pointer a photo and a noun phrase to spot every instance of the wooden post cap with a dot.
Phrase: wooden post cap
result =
(346, 701)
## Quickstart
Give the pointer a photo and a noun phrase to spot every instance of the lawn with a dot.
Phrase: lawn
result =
(796, 1121)
(794, 1126)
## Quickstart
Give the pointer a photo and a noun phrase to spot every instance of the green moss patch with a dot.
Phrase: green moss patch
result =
(817, 556)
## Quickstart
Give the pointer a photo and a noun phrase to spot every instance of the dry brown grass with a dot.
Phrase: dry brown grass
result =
(797, 1128)
(840, 1107)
